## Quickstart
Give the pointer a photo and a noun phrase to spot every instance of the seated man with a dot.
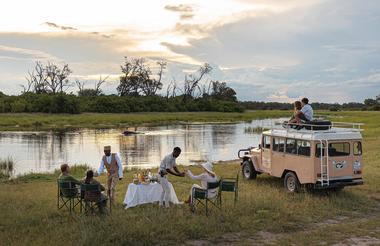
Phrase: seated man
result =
(66, 177)
(307, 110)
(103, 198)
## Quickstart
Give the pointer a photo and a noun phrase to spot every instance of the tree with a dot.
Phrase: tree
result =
(150, 86)
(132, 69)
(370, 102)
(221, 91)
(136, 78)
(86, 92)
(191, 84)
(48, 78)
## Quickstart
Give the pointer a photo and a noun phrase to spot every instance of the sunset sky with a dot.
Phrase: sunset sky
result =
(327, 50)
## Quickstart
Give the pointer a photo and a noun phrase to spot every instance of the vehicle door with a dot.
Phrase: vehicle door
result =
(266, 153)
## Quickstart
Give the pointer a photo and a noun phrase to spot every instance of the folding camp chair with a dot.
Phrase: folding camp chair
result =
(68, 195)
(92, 198)
(200, 197)
(229, 185)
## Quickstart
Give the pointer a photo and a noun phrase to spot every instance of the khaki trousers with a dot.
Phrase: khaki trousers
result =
(112, 180)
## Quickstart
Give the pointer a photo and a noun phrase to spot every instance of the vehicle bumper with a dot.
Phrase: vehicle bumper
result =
(339, 183)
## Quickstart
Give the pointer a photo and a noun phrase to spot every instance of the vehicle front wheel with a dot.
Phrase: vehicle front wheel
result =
(291, 182)
(248, 170)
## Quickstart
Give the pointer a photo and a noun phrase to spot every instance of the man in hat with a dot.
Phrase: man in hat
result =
(168, 165)
(112, 163)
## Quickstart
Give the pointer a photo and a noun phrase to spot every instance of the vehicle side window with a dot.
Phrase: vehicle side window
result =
(278, 144)
(358, 148)
(291, 146)
(335, 149)
(266, 142)
(303, 147)
(339, 149)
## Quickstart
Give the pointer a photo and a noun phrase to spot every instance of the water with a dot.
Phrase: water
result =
(46, 151)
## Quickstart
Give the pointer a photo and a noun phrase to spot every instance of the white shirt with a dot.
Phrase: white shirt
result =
(109, 158)
(204, 178)
(168, 162)
(307, 110)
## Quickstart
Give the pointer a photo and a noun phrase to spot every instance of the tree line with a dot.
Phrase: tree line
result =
(49, 89)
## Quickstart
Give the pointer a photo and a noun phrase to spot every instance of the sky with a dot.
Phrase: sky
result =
(267, 50)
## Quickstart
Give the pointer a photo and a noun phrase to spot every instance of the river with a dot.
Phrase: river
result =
(46, 151)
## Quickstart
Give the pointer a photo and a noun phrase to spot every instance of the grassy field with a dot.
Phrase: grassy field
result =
(264, 214)
(19, 122)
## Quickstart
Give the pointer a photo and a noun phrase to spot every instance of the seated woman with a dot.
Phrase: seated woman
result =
(90, 180)
(208, 176)
(298, 116)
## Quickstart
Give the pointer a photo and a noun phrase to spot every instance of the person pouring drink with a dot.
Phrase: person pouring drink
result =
(168, 166)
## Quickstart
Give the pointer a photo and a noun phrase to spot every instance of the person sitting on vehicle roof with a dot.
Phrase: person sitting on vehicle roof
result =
(297, 115)
(307, 110)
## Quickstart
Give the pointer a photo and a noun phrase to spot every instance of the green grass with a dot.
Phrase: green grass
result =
(36, 121)
(264, 212)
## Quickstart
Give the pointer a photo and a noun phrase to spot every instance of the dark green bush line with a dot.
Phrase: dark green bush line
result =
(72, 104)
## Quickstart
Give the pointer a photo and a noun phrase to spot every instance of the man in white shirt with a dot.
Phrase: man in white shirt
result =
(306, 110)
(112, 163)
(168, 165)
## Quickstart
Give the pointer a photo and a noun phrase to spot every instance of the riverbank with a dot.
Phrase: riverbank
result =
(40, 122)
(264, 214)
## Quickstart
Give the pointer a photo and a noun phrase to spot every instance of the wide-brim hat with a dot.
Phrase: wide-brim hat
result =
(208, 166)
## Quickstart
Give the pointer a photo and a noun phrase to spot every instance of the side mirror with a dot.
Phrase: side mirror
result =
(259, 146)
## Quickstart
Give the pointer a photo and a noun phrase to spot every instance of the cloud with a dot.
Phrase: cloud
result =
(179, 8)
(65, 28)
(186, 11)
(310, 49)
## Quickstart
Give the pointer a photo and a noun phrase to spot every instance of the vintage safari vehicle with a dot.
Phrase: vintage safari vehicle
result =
(328, 157)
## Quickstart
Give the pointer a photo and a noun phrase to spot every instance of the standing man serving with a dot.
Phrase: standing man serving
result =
(114, 167)
(168, 165)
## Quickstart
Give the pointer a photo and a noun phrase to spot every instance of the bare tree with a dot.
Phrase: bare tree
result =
(171, 88)
(57, 78)
(150, 86)
(48, 78)
(36, 79)
(80, 86)
(98, 84)
(91, 92)
(191, 84)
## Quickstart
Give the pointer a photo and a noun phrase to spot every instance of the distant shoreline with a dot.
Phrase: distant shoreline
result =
(63, 122)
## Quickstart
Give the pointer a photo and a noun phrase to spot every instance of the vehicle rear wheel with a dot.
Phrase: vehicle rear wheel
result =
(248, 170)
(291, 182)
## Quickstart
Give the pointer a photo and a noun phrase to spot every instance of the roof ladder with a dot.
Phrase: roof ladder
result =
(325, 175)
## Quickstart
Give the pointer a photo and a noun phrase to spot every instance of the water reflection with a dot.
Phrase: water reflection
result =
(45, 151)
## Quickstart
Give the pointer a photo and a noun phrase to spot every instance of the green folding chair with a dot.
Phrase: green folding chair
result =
(92, 199)
(68, 195)
(229, 185)
(200, 197)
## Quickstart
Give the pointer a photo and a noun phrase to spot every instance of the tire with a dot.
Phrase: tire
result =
(248, 170)
(291, 182)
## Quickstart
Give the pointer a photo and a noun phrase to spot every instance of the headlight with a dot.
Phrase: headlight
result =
(357, 165)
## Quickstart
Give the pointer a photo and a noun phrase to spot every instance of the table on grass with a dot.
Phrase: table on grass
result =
(138, 194)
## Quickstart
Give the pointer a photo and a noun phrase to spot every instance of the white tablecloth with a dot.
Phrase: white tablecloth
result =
(146, 193)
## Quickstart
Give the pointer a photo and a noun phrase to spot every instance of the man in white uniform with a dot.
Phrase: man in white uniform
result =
(168, 165)
(307, 110)
(112, 162)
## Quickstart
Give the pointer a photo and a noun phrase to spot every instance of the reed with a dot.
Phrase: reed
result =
(6, 167)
